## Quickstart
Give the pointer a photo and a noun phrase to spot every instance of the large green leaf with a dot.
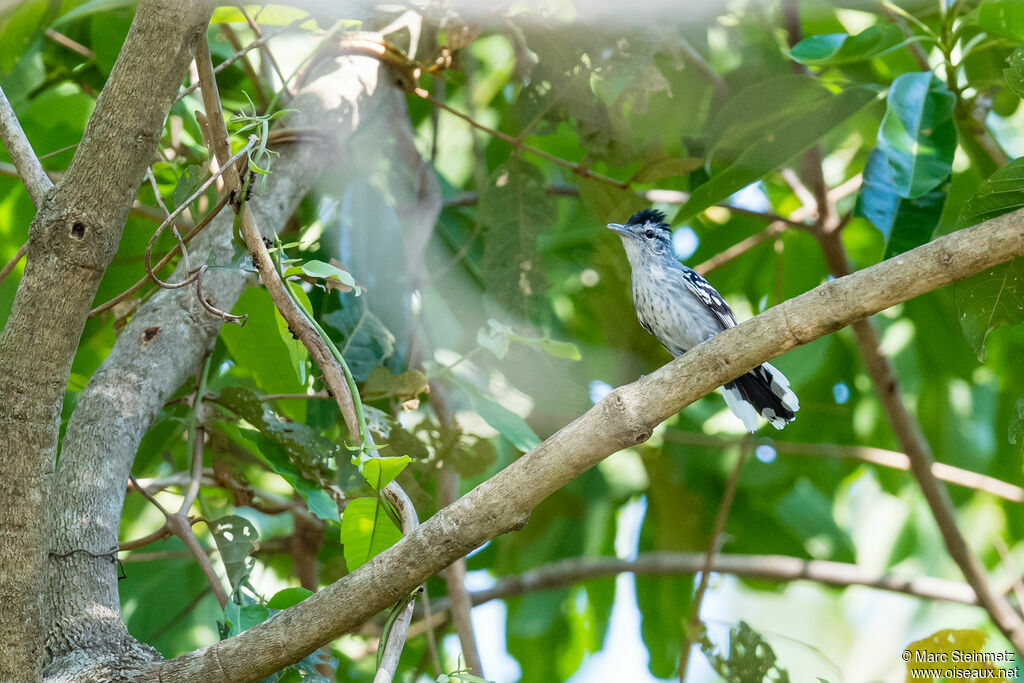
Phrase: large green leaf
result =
(905, 223)
(515, 208)
(996, 296)
(366, 531)
(918, 135)
(839, 48)
(792, 113)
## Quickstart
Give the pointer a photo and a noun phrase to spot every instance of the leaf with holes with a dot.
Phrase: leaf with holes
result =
(1014, 72)
(515, 208)
(365, 341)
(994, 297)
(236, 538)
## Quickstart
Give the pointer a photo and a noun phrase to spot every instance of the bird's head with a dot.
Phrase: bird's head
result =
(645, 236)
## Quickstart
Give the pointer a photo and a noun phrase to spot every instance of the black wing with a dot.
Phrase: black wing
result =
(709, 296)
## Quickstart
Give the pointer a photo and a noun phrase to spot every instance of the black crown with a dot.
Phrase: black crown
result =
(648, 216)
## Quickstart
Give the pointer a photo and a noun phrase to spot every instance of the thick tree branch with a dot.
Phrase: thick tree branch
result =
(625, 417)
(158, 350)
(37, 183)
(72, 239)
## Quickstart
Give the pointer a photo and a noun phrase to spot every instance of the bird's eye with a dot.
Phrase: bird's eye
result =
(649, 234)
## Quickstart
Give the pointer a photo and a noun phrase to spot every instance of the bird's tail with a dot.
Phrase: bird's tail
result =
(763, 391)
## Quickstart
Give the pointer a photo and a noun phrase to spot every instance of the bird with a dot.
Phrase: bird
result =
(681, 309)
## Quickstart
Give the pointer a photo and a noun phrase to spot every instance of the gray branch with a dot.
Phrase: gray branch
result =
(72, 239)
(37, 183)
(160, 348)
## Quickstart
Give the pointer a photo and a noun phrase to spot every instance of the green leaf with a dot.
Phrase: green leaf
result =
(905, 223)
(750, 657)
(1000, 193)
(298, 354)
(506, 422)
(323, 271)
(366, 531)
(666, 167)
(918, 135)
(1016, 429)
(365, 341)
(267, 15)
(800, 110)
(20, 28)
(236, 537)
(558, 349)
(993, 297)
(92, 7)
(261, 350)
(1014, 73)
(382, 382)
(251, 615)
(287, 597)
(188, 182)
(840, 48)
(515, 208)
(497, 336)
(608, 204)
(1004, 17)
(379, 472)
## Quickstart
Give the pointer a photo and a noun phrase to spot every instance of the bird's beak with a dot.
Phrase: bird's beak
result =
(619, 228)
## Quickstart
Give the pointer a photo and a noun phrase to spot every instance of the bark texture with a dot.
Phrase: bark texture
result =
(74, 235)
(161, 347)
(626, 417)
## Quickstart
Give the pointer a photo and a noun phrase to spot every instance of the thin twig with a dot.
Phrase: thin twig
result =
(10, 265)
(518, 143)
(265, 49)
(250, 70)
(709, 556)
(69, 43)
(192, 276)
(207, 219)
(1011, 566)
(869, 454)
(36, 182)
(248, 48)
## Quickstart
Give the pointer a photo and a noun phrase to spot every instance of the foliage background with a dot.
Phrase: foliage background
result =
(705, 101)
